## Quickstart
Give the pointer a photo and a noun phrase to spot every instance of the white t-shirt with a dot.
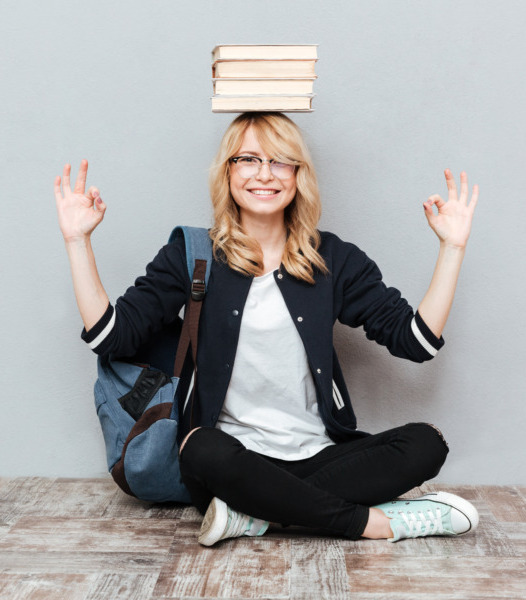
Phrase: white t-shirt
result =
(271, 406)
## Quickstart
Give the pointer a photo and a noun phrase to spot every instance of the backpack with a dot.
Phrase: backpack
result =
(138, 401)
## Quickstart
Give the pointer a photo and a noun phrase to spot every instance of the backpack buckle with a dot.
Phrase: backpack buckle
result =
(198, 289)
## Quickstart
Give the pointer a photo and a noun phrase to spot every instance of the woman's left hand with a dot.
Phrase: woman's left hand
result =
(452, 224)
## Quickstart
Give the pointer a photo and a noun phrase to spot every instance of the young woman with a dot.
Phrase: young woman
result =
(276, 438)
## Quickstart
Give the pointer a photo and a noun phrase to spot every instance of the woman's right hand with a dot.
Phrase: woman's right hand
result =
(78, 212)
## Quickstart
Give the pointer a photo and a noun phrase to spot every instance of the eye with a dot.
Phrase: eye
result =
(247, 160)
(280, 165)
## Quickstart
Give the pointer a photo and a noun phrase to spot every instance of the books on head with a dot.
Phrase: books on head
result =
(258, 77)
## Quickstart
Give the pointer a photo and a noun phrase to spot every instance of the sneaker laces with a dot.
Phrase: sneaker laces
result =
(419, 523)
(237, 524)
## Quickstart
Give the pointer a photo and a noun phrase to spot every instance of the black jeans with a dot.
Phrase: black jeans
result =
(331, 490)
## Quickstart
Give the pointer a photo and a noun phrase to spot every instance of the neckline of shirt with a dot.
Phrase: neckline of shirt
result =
(265, 276)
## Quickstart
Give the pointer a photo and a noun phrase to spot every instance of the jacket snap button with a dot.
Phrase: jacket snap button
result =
(300, 319)
(280, 276)
(235, 313)
(318, 371)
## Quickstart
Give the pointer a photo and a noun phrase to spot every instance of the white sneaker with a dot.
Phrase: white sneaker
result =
(437, 513)
(221, 522)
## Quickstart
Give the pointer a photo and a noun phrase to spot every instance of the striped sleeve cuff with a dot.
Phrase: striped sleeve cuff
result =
(100, 331)
(427, 339)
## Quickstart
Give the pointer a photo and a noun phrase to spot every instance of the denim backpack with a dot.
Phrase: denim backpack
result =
(138, 400)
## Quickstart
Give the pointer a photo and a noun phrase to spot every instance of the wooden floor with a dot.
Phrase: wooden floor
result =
(84, 539)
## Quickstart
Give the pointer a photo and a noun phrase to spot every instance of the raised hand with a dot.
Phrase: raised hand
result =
(452, 224)
(78, 212)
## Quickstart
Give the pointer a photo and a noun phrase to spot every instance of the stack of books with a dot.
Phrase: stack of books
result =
(253, 77)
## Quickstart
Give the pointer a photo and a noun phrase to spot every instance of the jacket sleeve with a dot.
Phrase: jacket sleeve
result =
(385, 316)
(152, 302)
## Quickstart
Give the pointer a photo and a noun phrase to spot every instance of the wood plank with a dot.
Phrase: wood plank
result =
(4, 483)
(77, 498)
(385, 577)
(318, 570)
(112, 586)
(15, 561)
(522, 491)
(20, 495)
(50, 586)
(416, 547)
(193, 571)
(258, 568)
(57, 534)
(238, 568)
(505, 502)
(123, 505)
(4, 529)
(516, 533)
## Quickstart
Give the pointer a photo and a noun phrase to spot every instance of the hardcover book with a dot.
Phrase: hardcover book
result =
(248, 85)
(263, 68)
(276, 51)
(262, 103)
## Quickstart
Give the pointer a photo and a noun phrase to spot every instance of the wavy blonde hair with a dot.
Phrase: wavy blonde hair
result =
(281, 139)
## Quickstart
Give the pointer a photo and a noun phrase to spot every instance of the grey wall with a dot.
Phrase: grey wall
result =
(405, 90)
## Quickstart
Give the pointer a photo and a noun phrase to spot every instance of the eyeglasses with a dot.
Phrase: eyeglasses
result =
(250, 166)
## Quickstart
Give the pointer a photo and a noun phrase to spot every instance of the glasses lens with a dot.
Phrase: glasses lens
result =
(249, 166)
(281, 170)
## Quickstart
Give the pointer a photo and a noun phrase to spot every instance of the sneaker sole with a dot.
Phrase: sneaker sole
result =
(214, 523)
(465, 507)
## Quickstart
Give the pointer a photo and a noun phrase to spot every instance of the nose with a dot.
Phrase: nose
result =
(264, 173)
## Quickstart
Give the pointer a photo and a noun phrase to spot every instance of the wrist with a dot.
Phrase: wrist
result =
(448, 246)
(77, 240)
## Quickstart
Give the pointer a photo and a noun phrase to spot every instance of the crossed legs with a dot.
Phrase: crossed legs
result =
(332, 490)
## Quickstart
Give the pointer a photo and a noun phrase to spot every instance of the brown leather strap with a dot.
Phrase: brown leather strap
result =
(149, 417)
(189, 332)
(190, 329)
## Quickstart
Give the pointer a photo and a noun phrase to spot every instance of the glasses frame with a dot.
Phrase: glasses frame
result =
(270, 162)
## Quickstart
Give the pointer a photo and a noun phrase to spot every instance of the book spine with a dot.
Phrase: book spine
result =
(263, 69)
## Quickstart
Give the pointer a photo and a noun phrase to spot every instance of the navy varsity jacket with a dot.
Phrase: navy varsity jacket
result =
(352, 292)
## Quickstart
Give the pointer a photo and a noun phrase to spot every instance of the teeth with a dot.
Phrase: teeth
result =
(264, 192)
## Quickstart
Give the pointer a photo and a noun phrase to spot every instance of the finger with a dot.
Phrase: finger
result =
(451, 185)
(434, 199)
(93, 192)
(58, 193)
(464, 188)
(100, 206)
(80, 184)
(474, 198)
(65, 179)
(430, 213)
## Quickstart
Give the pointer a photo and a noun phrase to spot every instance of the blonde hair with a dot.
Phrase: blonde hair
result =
(281, 139)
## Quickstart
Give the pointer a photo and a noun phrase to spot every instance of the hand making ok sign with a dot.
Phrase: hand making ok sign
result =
(452, 224)
(78, 212)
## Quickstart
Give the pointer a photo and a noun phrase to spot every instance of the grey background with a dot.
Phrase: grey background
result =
(405, 89)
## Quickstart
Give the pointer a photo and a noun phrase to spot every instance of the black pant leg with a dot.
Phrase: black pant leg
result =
(214, 463)
(380, 467)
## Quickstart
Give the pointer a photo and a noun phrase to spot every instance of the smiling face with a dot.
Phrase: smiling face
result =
(262, 196)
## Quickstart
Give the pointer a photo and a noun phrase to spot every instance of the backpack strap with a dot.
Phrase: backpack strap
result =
(198, 247)
(198, 261)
